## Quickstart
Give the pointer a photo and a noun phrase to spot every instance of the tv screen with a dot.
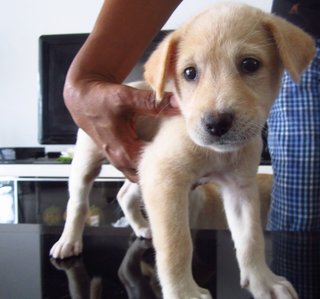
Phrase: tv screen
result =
(56, 53)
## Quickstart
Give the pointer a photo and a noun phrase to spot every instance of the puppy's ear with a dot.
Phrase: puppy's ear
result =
(160, 66)
(296, 48)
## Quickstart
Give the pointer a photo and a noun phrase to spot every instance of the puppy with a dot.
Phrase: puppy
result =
(225, 68)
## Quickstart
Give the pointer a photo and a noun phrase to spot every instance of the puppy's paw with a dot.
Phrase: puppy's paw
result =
(143, 232)
(188, 293)
(201, 294)
(65, 248)
(266, 285)
(65, 265)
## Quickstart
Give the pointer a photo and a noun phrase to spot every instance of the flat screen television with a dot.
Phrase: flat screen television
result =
(56, 53)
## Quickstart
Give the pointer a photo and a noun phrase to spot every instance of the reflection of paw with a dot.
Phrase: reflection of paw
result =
(139, 245)
(66, 248)
(65, 265)
(266, 285)
(188, 293)
(201, 294)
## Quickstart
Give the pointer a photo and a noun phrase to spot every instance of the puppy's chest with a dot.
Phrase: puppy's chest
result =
(205, 179)
(217, 171)
(213, 177)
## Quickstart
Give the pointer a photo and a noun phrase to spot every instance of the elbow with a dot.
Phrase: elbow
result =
(74, 95)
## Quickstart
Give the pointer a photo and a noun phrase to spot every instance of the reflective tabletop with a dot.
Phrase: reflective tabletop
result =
(116, 265)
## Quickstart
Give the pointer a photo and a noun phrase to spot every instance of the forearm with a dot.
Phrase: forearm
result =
(122, 31)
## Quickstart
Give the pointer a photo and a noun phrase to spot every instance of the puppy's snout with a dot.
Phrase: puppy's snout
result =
(217, 124)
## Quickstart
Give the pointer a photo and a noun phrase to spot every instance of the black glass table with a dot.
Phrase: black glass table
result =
(116, 265)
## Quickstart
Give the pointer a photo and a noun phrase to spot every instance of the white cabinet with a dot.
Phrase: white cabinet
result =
(38, 193)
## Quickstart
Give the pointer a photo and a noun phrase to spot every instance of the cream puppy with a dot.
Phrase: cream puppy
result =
(225, 68)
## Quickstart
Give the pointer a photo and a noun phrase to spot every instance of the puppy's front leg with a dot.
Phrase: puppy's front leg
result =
(241, 201)
(166, 201)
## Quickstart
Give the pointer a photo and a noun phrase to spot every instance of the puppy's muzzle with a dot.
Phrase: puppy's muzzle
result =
(217, 124)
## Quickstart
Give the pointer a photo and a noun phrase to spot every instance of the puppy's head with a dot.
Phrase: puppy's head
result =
(225, 66)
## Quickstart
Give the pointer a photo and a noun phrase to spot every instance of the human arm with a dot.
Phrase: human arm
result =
(93, 93)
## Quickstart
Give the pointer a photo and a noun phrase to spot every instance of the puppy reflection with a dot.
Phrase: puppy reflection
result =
(136, 273)
(136, 270)
(81, 286)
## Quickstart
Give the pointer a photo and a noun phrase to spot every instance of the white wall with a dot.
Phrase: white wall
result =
(21, 23)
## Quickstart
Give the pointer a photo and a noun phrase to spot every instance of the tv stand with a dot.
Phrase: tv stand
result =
(49, 168)
(30, 189)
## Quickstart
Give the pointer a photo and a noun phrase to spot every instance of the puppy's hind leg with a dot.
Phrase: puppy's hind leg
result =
(130, 199)
(85, 167)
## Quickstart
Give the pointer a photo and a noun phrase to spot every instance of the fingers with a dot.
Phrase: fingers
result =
(131, 175)
(124, 154)
(124, 166)
(145, 103)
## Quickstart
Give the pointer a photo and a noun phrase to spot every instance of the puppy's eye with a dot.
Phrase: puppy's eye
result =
(190, 73)
(249, 65)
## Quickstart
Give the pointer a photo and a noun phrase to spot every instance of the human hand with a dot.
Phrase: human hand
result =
(108, 113)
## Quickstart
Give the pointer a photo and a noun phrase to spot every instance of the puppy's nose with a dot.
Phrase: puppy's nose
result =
(217, 124)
